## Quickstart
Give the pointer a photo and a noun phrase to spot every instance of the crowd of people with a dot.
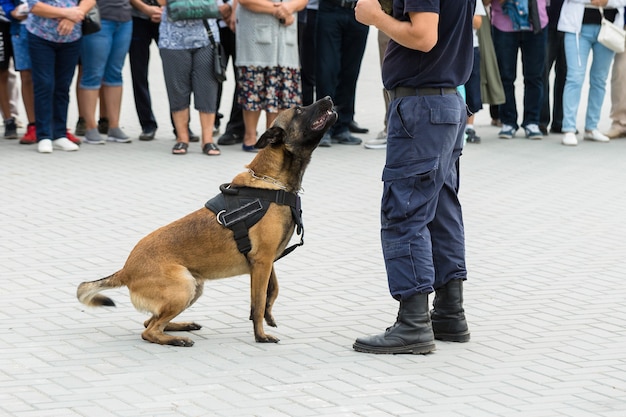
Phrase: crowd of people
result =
(287, 53)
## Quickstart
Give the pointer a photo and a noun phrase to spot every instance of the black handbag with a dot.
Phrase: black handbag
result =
(219, 56)
(92, 23)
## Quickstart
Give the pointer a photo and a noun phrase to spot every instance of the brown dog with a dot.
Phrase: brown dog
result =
(166, 270)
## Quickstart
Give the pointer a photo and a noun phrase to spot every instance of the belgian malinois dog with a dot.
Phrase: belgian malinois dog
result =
(166, 271)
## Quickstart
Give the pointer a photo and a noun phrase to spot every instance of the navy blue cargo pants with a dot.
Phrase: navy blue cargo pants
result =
(421, 221)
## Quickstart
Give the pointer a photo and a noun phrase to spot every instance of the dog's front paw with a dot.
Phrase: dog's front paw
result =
(269, 319)
(266, 338)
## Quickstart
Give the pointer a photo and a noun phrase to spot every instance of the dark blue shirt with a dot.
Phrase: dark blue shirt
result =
(449, 63)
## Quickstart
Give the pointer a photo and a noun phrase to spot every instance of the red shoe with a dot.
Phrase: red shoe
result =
(73, 138)
(30, 136)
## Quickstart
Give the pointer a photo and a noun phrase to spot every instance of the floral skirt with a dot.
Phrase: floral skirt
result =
(268, 88)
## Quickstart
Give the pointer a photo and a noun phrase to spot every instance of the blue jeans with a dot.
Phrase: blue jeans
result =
(53, 66)
(533, 47)
(340, 41)
(103, 55)
(577, 56)
(422, 229)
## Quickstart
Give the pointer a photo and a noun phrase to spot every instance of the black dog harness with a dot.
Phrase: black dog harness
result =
(241, 208)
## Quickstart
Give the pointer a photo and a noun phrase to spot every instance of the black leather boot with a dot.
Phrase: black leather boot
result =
(448, 315)
(411, 333)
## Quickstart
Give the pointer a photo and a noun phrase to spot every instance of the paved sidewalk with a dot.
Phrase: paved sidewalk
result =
(545, 299)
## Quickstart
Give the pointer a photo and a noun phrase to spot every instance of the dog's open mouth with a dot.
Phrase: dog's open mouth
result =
(320, 122)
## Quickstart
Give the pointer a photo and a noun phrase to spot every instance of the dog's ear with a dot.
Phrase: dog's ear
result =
(272, 136)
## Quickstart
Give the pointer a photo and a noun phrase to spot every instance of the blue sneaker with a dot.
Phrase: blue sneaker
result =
(533, 131)
(507, 132)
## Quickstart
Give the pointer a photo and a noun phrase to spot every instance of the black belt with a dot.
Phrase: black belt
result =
(425, 91)
(346, 4)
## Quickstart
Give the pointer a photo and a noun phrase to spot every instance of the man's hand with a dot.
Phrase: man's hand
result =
(368, 12)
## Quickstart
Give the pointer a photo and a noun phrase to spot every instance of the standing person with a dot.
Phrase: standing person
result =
(307, 24)
(580, 20)
(380, 142)
(618, 99)
(555, 56)
(340, 45)
(517, 28)
(187, 57)
(422, 228)
(268, 63)
(146, 20)
(234, 131)
(472, 86)
(18, 10)
(6, 92)
(54, 38)
(102, 57)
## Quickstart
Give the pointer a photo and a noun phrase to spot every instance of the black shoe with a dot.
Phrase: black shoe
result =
(472, 137)
(103, 125)
(346, 138)
(555, 129)
(10, 128)
(355, 128)
(411, 333)
(230, 138)
(448, 315)
(81, 127)
(543, 129)
(148, 133)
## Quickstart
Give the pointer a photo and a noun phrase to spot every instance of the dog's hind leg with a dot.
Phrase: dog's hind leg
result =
(184, 326)
(272, 293)
(259, 280)
(166, 296)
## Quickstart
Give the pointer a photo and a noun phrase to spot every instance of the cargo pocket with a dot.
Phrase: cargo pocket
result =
(446, 116)
(408, 188)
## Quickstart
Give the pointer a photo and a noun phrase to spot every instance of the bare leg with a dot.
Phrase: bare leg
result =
(250, 120)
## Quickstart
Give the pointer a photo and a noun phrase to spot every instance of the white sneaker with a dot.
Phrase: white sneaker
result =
(507, 132)
(596, 136)
(44, 146)
(533, 132)
(376, 144)
(569, 139)
(65, 144)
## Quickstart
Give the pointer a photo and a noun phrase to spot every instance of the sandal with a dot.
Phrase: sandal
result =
(211, 149)
(180, 148)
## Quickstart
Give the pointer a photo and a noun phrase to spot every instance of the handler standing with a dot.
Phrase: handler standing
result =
(429, 55)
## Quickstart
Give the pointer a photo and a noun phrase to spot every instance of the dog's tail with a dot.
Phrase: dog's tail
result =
(88, 292)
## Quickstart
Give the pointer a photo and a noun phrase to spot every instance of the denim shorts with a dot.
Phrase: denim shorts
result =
(21, 56)
(103, 54)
